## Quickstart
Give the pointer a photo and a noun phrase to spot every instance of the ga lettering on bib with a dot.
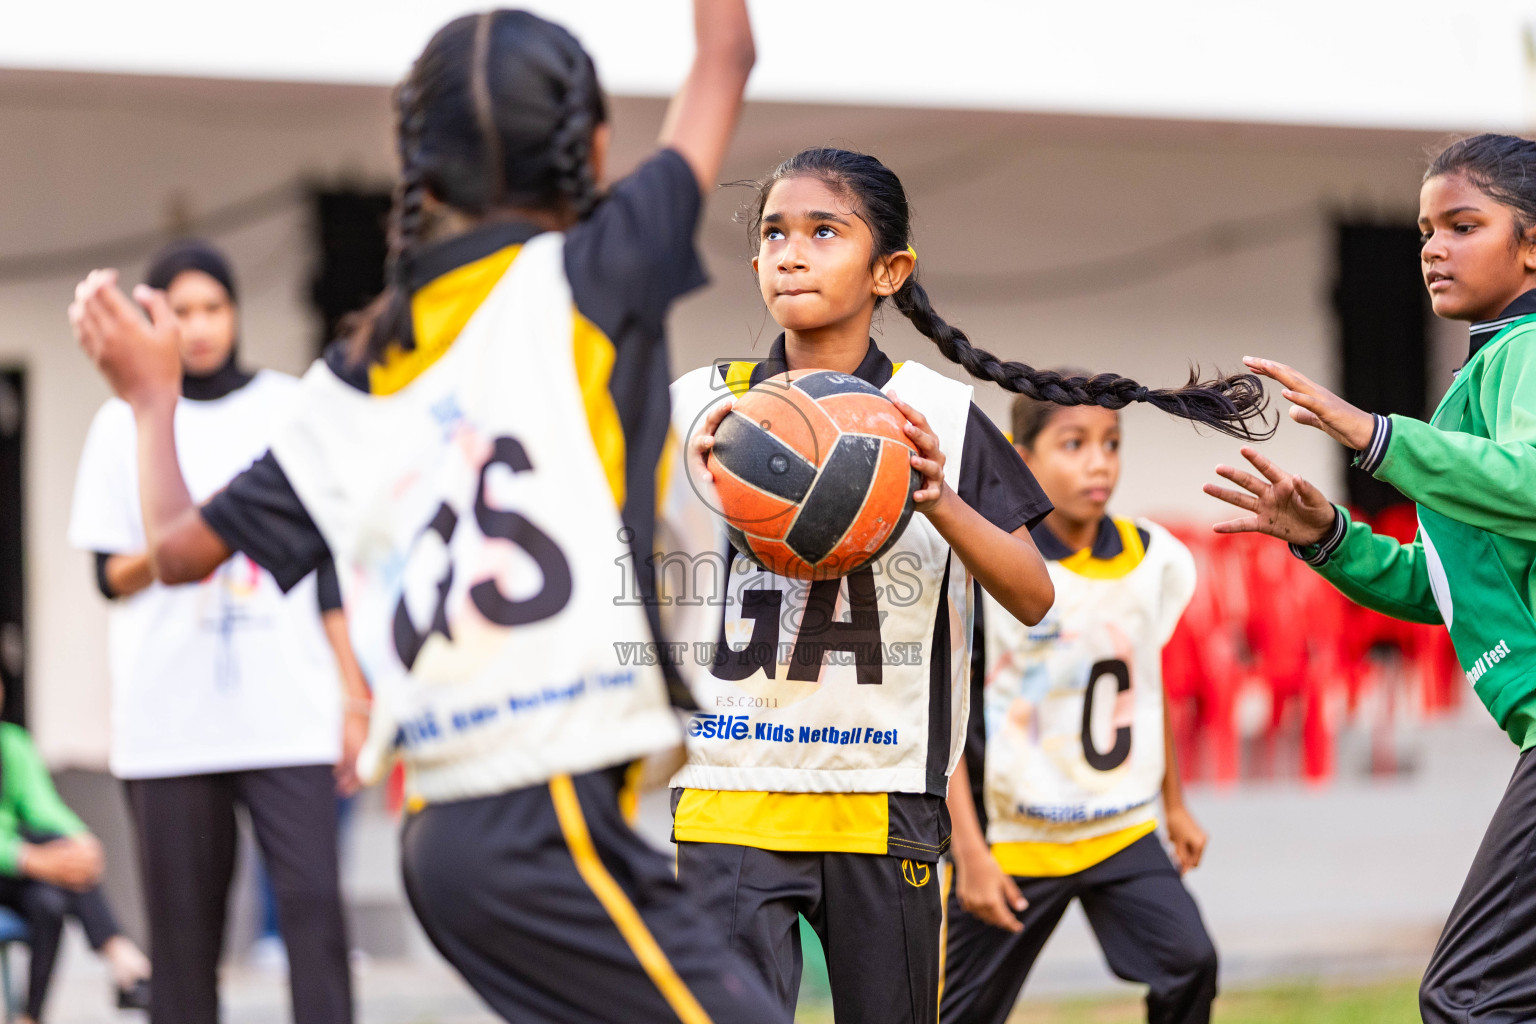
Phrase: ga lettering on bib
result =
(825, 687)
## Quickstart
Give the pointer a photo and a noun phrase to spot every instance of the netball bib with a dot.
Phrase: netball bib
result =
(475, 527)
(1074, 704)
(825, 687)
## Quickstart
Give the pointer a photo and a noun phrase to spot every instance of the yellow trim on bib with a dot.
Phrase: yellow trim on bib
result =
(573, 825)
(1052, 860)
(594, 369)
(949, 883)
(439, 311)
(789, 822)
(664, 468)
(1132, 551)
(738, 377)
(629, 792)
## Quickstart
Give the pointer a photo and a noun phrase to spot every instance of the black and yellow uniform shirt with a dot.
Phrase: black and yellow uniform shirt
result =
(994, 481)
(627, 263)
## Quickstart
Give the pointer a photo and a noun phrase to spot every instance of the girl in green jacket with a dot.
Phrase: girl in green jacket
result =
(1471, 470)
(50, 869)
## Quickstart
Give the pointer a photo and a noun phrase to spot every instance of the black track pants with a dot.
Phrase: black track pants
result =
(554, 910)
(1484, 966)
(878, 918)
(45, 908)
(187, 838)
(1145, 920)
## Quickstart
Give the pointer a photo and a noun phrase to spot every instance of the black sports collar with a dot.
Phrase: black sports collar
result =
(210, 387)
(1107, 542)
(1482, 332)
(876, 368)
(431, 263)
(440, 258)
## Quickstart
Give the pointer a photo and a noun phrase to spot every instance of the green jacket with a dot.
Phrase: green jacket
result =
(27, 798)
(1472, 472)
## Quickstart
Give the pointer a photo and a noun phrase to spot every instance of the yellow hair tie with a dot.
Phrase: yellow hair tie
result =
(912, 251)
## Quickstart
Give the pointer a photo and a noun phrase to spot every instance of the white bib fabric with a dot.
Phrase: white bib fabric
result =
(786, 709)
(226, 674)
(1074, 704)
(479, 546)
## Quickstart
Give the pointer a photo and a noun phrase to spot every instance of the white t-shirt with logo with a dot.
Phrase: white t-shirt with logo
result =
(221, 675)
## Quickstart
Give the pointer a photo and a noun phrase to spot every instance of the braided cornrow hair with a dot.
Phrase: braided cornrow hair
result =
(1233, 405)
(571, 145)
(406, 216)
(497, 114)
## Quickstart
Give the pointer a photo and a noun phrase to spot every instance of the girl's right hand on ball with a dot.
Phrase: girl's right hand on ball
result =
(140, 358)
(700, 443)
(1282, 505)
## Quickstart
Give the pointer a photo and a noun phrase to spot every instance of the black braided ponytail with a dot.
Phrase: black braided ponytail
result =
(1233, 405)
(497, 113)
(406, 226)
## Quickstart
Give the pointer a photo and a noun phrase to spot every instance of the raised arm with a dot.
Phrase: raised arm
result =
(702, 116)
(139, 360)
(1483, 482)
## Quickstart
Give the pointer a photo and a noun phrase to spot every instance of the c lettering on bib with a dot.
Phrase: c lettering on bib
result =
(1113, 758)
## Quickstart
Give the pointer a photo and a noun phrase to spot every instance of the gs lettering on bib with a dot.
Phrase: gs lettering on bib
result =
(1074, 704)
(475, 530)
(825, 687)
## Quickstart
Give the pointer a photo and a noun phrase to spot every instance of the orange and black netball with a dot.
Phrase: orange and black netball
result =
(814, 475)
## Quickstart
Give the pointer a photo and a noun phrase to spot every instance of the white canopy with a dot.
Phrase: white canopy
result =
(1366, 63)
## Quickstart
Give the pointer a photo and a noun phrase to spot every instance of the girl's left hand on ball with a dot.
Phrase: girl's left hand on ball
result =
(1316, 406)
(928, 461)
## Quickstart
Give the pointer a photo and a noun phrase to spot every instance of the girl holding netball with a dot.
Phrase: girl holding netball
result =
(477, 457)
(846, 827)
(1471, 470)
(1069, 750)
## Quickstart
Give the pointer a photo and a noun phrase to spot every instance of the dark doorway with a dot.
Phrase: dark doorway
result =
(13, 648)
(350, 225)
(1379, 301)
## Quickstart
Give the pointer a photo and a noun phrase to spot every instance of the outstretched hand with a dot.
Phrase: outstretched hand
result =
(1282, 505)
(139, 358)
(1316, 406)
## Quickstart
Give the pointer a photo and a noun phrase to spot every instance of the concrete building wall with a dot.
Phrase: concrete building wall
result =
(1050, 239)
